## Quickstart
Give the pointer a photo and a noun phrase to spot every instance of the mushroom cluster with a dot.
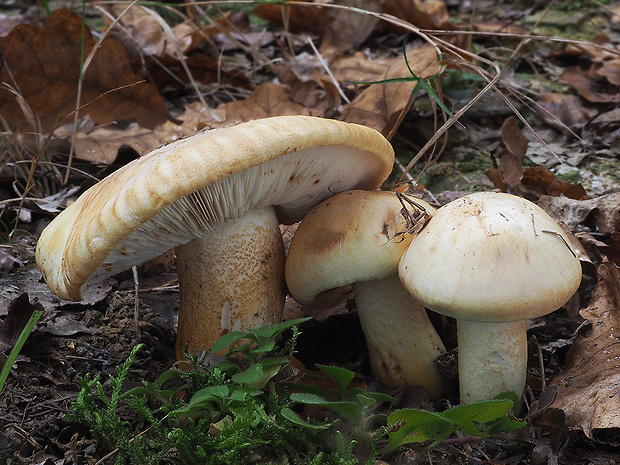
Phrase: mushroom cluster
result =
(218, 197)
(490, 260)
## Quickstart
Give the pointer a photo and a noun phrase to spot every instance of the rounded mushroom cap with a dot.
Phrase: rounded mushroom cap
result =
(175, 193)
(491, 257)
(350, 237)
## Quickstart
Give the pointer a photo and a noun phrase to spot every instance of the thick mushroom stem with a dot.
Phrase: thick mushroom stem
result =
(492, 358)
(230, 279)
(390, 315)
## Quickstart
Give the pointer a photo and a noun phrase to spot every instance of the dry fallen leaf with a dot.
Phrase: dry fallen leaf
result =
(603, 210)
(539, 181)
(589, 388)
(267, 100)
(169, 73)
(146, 31)
(18, 313)
(319, 95)
(379, 104)
(42, 65)
(196, 117)
(101, 145)
(564, 112)
(588, 86)
(294, 17)
(344, 30)
(425, 14)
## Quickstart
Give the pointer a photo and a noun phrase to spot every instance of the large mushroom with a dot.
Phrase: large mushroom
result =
(218, 197)
(492, 261)
(357, 237)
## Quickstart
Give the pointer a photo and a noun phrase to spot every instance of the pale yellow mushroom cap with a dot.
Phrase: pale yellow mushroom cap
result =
(350, 237)
(175, 193)
(491, 257)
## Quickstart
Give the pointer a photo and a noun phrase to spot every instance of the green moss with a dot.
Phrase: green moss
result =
(480, 163)
(574, 177)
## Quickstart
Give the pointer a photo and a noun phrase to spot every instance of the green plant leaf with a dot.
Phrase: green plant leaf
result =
(352, 411)
(240, 393)
(228, 339)
(270, 332)
(207, 398)
(466, 416)
(250, 376)
(341, 376)
(413, 425)
(291, 416)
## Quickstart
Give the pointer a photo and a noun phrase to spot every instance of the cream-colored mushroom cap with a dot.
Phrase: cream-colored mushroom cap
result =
(491, 257)
(176, 193)
(350, 237)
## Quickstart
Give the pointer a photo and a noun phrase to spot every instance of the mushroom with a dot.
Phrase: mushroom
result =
(357, 237)
(492, 261)
(217, 196)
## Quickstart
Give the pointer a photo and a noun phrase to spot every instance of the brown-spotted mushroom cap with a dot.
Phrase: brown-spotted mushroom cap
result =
(357, 237)
(492, 261)
(189, 189)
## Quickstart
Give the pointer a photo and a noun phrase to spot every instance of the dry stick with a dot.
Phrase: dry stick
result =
(136, 286)
(53, 164)
(85, 66)
(541, 364)
(310, 42)
(328, 71)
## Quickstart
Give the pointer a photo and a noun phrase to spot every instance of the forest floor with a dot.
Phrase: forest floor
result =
(548, 129)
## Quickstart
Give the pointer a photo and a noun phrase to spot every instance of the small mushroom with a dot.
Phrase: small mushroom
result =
(357, 237)
(217, 196)
(491, 261)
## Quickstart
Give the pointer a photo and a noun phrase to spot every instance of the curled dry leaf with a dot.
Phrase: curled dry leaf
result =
(169, 73)
(101, 145)
(511, 160)
(18, 313)
(319, 95)
(345, 30)
(340, 29)
(538, 181)
(589, 86)
(588, 391)
(603, 210)
(43, 66)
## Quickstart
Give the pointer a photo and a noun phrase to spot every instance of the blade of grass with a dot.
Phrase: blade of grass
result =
(18, 347)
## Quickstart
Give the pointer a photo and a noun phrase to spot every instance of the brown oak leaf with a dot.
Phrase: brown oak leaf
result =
(41, 70)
